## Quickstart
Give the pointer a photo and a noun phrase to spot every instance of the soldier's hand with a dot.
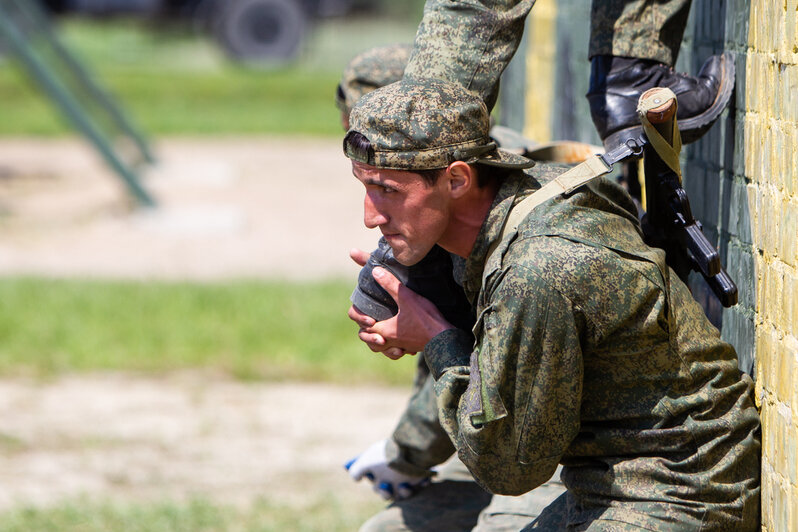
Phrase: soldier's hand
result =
(416, 323)
(389, 483)
(359, 256)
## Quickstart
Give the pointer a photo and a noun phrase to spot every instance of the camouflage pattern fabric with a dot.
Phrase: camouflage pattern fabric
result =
(425, 124)
(590, 352)
(452, 502)
(638, 28)
(369, 71)
(472, 41)
(455, 503)
(419, 442)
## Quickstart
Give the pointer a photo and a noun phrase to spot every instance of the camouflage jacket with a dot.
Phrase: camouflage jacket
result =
(590, 352)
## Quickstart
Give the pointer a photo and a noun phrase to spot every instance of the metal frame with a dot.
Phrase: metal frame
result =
(66, 82)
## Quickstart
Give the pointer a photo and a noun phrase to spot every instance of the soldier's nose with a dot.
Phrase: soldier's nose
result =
(372, 217)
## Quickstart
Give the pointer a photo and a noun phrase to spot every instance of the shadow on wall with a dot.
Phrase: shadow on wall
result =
(715, 173)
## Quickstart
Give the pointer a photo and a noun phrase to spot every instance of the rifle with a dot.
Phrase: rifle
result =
(669, 223)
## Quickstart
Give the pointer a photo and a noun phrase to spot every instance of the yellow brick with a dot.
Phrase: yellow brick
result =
(773, 355)
(787, 306)
(794, 505)
(753, 139)
(759, 385)
(785, 156)
(778, 303)
(783, 379)
(754, 86)
(778, 430)
(768, 483)
(794, 164)
(787, 37)
(785, 513)
(792, 86)
(774, 219)
(771, 293)
(761, 271)
(753, 30)
(763, 352)
(791, 33)
(771, 76)
(794, 392)
(768, 441)
(774, 210)
(771, 20)
(773, 154)
(765, 214)
(790, 131)
(788, 232)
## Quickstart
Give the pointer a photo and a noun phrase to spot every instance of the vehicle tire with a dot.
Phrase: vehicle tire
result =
(261, 30)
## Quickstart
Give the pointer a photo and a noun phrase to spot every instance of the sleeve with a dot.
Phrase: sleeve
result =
(469, 42)
(419, 442)
(512, 406)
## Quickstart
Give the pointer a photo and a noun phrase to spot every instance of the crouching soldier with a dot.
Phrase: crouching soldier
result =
(588, 351)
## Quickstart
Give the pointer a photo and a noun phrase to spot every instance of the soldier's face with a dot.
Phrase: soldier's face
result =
(410, 213)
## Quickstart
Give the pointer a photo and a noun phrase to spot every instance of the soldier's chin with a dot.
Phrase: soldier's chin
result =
(408, 257)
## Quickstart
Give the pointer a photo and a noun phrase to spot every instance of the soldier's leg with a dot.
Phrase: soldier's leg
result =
(451, 503)
(511, 514)
(633, 46)
(638, 28)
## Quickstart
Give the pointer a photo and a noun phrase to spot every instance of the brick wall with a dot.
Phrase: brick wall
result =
(768, 170)
(742, 179)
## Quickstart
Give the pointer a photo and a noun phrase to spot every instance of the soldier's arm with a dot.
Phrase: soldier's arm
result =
(419, 442)
(468, 41)
(512, 407)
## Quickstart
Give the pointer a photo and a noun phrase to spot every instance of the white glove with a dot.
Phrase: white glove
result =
(388, 482)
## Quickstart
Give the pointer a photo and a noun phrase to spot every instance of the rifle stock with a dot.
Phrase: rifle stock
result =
(669, 223)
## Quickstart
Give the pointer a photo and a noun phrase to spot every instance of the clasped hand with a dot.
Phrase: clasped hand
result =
(416, 323)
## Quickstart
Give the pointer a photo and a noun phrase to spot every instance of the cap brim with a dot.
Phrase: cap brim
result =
(505, 159)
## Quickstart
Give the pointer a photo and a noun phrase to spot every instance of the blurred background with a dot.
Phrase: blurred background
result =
(175, 220)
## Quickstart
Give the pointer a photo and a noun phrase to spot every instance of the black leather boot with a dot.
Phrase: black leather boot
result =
(616, 83)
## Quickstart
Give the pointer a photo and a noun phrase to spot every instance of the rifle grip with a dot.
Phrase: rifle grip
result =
(724, 287)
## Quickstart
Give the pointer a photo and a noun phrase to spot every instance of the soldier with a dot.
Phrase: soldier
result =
(406, 467)
(368, 71)
(588, 350)
(633, 47)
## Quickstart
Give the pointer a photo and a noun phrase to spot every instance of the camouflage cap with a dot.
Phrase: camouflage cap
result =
(424, 124)
(371, 70)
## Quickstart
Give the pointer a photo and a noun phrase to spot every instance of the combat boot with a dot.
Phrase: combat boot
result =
(616, 84)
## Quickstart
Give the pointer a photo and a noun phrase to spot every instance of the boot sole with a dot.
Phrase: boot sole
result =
(695, 127)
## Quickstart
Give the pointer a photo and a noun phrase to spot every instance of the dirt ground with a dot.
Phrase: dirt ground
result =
(226, 208)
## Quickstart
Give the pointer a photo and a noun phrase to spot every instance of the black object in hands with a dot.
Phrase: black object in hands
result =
(431, 278)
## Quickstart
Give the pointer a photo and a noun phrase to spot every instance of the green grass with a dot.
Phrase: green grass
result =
(177, 83)
(249, 329)
(327, 513)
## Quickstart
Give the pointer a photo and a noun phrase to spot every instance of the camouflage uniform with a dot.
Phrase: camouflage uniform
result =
(589, 351)
(592, 353)
(471, 42)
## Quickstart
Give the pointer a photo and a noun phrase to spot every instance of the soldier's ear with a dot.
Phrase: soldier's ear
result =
(461, 178)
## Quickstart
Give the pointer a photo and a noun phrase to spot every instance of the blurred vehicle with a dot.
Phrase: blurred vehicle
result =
(247, 30)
